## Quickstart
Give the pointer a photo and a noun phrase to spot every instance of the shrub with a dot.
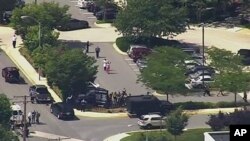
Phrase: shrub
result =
(123, 43)
(217, 122)
(190, 105)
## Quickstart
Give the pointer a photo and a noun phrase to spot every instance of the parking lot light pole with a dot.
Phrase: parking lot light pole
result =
(39, 36)
(203, 54)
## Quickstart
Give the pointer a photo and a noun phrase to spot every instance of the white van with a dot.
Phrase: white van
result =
(17, 114)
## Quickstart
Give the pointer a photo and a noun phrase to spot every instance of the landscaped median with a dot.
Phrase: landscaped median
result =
(157, 135)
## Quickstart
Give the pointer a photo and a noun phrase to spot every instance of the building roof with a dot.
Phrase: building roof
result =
(218, 135)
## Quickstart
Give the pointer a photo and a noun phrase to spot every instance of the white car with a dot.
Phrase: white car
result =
(16, 115)
(82, 3)
(151, 120)
(191, 63)
(199, 73)
(198, 82)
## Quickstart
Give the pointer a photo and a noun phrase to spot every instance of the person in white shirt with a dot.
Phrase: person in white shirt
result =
(14, 41)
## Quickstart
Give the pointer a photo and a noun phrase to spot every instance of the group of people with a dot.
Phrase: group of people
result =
(118, 98)
(106, 65)
(33, 117)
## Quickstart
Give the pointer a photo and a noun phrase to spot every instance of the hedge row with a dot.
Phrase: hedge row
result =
(208, 105)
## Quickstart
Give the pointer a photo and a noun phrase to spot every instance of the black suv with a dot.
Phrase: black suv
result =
(11, 74)
(39, 93)
(62, 110)
(245, 54)
(93, 97)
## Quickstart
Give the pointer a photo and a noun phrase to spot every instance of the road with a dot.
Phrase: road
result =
(83, 128)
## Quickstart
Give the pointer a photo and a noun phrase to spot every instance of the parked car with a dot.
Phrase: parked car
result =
(83, 3)
(138, 52)
(199, 73)
(245, 54)
(73, 24)
(151, 120)
(40, 93)
(200, 68)
(141, 63)
(11, 74)
(110, 14)
(62, 110)
(93, 7)
(16, 118)
(191, 64)
(198, 82)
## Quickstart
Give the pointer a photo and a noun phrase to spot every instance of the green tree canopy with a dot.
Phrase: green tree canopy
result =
(165, 71)
(176, 122)
(7, 135)
(151, 18)
(5, 110)
(231, 76)
(49, 14)
(70, 71)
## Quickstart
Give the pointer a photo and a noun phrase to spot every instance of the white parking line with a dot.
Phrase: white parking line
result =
(53, 136)
(128, 59)
(136, 70)
(132, 64)
(73, 1)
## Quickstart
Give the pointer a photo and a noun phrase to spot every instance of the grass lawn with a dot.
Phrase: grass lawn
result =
(189, 135)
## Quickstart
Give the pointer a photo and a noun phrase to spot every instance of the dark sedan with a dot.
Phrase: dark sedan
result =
(62, 110)
(73, 24)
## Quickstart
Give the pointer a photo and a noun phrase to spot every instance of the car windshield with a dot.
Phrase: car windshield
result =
(196, 79)
(16, 112)
(42, 90)
(14, 73)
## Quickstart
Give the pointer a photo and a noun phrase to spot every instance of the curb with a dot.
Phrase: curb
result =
(117, 137)
(118, 50)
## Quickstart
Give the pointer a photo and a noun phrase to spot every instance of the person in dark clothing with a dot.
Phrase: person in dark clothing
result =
(245, 96)
(37, 117)
(97, 51)
(206, 91)
(87, 47)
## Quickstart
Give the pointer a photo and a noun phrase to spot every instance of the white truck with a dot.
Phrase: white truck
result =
(17, 115)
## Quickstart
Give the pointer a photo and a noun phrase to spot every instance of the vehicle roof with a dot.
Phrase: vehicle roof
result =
(205, 76)
(16, 107)
(151, 115)
(139, 98)
(11, 68)
(40, 86)
(138, 46)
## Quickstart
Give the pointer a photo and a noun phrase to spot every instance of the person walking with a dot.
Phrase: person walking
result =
(14, 38)
(29, 118)
(87, 47)
(105, 64)
(33, 117)
(97, 51)
(37, 117)
(245, 96)
(108, 67)
(206, 91)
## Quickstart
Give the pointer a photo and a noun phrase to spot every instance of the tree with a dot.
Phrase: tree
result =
(71, 70)
(49, 14)
(7, 135)
(151, 18)
(5, 110)
(165, 71)
(231, 76)
(6, 5)
(176, 122)
(217, 122)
